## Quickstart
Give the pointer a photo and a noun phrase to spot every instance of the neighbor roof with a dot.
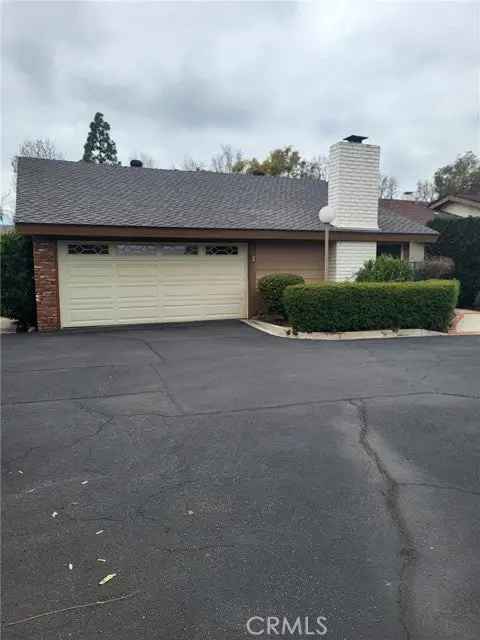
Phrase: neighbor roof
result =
(416, 211)
(80, 193)
(471, 197)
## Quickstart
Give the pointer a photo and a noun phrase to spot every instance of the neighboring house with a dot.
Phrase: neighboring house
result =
(461, 205)
(125, 245)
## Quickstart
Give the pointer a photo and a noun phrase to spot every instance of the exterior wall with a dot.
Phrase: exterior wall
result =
(353, 184)
(416, 252)
(301, 258)
(46, 283)
(462, 210)
(350, 256)
(332, 261)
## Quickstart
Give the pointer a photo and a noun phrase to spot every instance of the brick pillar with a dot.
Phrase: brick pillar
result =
(46, 284)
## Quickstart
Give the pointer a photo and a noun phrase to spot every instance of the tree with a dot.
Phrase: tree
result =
(99, 147)
(18, 288)
(460, 240)
(425, 191)
(189, 164)
(316, 168)
(39, 148)
(388, 187)
(6, 212)
(226, 159)
(285, 161)
(462, 175)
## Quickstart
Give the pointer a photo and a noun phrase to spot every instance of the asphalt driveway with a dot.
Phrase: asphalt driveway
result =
(222, 474)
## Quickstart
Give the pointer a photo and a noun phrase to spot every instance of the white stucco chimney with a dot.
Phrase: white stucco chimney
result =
(353, 183)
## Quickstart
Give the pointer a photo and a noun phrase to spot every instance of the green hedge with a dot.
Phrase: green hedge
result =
(385, 269)
(459, 239)
(18, 287)
(361, 306)
(271, 289)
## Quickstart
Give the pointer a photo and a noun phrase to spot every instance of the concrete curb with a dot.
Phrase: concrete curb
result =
(286, 332)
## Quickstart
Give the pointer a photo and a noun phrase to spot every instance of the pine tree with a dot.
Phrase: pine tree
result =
(100, 147)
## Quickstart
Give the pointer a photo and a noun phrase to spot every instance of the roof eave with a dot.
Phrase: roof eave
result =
(182, 233)
(460, 200)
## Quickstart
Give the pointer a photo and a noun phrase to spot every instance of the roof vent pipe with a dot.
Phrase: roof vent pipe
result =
(136, 163)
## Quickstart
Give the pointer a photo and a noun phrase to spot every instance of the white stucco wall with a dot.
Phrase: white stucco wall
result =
(349, 257)
(416, 252)
(353, 184)
(332, 262)
(462, 210)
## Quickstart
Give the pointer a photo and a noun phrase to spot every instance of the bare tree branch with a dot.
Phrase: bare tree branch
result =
(388, 187)
(189, 164)
(39, 148)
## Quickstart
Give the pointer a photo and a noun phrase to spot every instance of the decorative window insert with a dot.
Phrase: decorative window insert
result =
(221, 250)
(88, 249)
(136, 249)
(179, 250)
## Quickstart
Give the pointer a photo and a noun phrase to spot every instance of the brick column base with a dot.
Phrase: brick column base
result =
(46, 284)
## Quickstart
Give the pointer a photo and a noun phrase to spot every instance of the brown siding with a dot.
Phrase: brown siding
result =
(301, 258)
(46, 283)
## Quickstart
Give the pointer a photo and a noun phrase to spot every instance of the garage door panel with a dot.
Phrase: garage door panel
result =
(108, 289)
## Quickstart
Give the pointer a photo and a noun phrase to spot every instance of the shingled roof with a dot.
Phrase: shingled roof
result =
(80, 193)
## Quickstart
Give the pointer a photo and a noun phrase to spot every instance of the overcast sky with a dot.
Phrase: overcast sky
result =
(180, 79)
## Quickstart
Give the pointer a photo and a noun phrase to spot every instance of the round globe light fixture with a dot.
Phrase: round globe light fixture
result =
(326, 214)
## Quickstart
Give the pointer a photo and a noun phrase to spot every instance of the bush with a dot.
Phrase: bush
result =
(385, 269)
(271, 288)
(435, 268)
(459, 239)
(18, 287)
(476, 302)
(372, 305)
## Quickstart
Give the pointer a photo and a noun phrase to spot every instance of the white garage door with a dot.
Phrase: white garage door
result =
(108, 283)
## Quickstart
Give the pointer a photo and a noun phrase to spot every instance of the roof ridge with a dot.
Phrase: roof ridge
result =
(204, 172)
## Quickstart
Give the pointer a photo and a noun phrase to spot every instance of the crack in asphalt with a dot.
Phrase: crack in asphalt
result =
(167, 391)
(407, 551)
(68, 445)
(445, 487)
(244, 409)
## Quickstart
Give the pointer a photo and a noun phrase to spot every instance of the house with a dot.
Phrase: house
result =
(461, 205)
(129, 245)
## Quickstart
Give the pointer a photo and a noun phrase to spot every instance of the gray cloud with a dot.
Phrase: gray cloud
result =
(177, 79)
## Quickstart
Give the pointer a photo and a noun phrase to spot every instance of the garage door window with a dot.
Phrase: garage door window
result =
(88, 249)
(136, 249)
(221, 250)
(179, 250)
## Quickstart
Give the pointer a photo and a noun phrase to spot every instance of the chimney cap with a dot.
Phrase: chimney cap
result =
(136, 163)
(356, 139)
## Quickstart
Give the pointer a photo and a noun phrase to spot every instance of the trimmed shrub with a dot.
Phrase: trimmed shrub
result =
(271, 289)
(346, 306)
(435, 268)
(18, 287)
(459, 239)
(385, 269)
